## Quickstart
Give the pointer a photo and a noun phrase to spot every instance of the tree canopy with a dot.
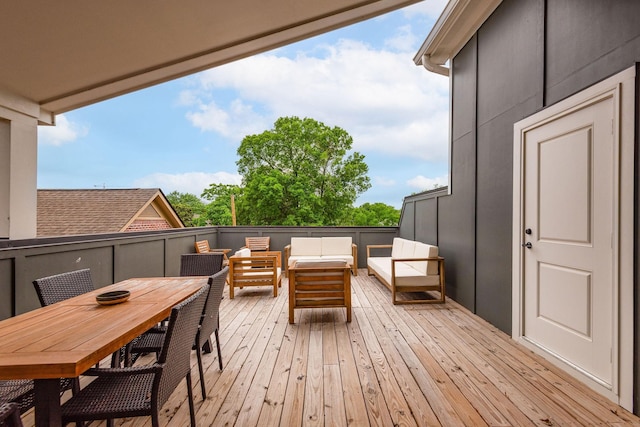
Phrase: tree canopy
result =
(300, 173)
(374, 214)
(189, 208)
(218, 211)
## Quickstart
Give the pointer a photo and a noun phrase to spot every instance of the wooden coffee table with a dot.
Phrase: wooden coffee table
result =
(319, 284)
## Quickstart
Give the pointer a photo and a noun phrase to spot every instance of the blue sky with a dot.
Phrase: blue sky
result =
(184, 134)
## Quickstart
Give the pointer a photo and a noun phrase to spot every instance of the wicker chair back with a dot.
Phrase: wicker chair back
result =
(175, 353)
(201, 264)
(212, 308)
(59, 287)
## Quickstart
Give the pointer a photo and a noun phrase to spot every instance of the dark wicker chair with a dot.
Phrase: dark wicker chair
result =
(142, 391)
(59, 287)
(205, 264)
(19, 392)
(10, 415)
(151, 341)
(200, 264)
(210, 323)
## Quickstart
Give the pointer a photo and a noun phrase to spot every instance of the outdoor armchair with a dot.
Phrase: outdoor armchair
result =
(259, 269)
(257, 243)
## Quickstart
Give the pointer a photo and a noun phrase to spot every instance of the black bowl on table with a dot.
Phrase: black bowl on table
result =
(113, 297)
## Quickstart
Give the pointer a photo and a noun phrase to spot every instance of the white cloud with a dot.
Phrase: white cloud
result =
(381, 98)
(234, 122)
(190, 182)
(63, 132)
(423, 183)
(404, 41)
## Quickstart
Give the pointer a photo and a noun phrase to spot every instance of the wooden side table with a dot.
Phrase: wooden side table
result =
(319, 284)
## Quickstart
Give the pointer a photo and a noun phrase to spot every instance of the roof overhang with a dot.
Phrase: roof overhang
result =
(64, 55)
(454, 28)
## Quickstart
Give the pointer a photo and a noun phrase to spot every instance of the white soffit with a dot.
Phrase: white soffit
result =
(454, 28)
(65, 55)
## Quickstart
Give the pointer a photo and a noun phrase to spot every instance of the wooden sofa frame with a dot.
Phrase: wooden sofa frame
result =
(259, 269)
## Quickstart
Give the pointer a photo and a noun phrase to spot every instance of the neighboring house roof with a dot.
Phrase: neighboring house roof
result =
(70, 212)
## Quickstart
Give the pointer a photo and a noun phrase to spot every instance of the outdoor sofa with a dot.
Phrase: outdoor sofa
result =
(412, 267)
(322, 249)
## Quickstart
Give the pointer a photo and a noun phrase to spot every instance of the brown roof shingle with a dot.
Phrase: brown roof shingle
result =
(94, 211)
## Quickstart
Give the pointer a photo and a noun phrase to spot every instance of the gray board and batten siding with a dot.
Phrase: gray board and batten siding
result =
(527, 56)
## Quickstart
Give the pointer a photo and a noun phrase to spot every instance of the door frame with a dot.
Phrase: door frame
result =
(622, 88)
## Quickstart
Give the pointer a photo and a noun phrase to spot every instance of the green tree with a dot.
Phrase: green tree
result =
(189, 208)
(373, 214)
(218, 211)
(299, 173)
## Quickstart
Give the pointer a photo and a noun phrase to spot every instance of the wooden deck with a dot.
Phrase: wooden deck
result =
(392, 365)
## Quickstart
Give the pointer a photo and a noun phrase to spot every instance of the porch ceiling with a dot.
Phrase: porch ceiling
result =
(67, 55)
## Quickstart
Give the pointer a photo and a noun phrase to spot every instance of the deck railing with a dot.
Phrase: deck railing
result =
(119, 256)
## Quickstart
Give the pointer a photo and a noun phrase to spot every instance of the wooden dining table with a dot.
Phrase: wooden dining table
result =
(67, 338)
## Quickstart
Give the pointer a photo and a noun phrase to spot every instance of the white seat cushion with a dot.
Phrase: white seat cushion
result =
(293, 259)
(347, 258)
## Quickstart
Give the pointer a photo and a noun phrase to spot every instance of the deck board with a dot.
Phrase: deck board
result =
(392, 365)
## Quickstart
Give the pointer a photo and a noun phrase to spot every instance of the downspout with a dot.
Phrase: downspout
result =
(433, 67)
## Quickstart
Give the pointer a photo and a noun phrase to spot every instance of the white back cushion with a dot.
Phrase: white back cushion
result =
(432, 266)
(245, 252)
(408, 249)
(306, 246)
(396, 249)
(336, 246)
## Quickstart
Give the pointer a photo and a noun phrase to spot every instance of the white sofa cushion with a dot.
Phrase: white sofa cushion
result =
(293, 259)
(396, 248)
(382, 265)
(336, 246)
(347, 258)
(406, 275)
(259, 273)
(243, 253)
(423, 250)
(306, 246)
(408, 249)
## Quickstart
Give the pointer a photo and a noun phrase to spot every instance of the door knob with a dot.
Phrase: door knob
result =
(527, 245)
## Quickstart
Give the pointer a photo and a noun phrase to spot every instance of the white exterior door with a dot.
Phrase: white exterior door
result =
(573, 235)
(568, 209)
